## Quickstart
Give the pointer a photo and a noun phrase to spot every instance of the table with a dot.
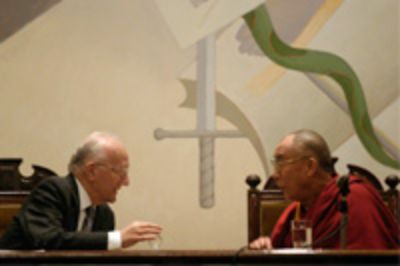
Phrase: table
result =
(203, 257)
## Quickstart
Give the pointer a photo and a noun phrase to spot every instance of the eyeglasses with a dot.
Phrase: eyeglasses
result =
(122, 172)
(279, 163)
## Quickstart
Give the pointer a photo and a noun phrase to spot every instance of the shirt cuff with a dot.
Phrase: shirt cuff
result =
(114, 240)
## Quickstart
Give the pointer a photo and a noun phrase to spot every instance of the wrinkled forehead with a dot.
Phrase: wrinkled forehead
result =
(116, 152)
(285, 148)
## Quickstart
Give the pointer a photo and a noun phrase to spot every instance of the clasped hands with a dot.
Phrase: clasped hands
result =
(139, 231)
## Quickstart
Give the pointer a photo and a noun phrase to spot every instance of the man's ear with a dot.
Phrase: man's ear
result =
(90, 170)
(312, 165)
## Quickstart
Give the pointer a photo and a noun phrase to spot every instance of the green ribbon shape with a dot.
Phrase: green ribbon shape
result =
(260, 25)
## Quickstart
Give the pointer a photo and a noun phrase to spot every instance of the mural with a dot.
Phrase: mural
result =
(321, 63)
(270, 44)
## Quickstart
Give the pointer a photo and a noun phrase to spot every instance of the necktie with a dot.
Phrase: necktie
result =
(89, 218)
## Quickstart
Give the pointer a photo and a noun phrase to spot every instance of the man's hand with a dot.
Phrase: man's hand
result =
(139, 231)
(263, 242)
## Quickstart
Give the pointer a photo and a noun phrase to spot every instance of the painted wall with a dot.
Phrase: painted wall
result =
(114, 66)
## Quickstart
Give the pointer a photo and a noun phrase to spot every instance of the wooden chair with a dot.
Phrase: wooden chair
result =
(263, 207)
(266, 205)
(14, 188)
(390, 196)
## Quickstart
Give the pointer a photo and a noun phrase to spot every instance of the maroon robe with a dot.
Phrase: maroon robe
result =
(371, 225)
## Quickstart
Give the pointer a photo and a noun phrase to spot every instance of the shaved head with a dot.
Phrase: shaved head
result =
(309, 142)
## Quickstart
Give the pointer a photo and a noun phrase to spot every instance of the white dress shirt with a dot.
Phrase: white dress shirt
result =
(114, 240)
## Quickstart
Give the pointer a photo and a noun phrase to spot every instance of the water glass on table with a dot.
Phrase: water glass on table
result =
(155, 244)
(301, 233)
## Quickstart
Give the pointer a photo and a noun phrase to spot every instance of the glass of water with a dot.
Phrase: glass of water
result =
(155, 244)
(301, 233)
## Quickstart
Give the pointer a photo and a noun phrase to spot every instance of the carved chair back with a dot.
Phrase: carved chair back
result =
(14, 187)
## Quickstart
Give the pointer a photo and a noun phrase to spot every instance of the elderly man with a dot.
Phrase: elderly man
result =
(72, 212)
(303, 172)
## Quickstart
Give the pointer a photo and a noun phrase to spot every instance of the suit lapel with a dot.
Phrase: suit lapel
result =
(74, 205)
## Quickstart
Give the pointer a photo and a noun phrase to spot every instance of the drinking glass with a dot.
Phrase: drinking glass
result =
(155, 244)
(301, 233)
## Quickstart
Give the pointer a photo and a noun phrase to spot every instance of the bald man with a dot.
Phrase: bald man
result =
(303, 171)
(73, 212)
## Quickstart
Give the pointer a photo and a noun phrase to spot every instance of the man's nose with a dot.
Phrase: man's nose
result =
(275, 175)
(125, 181)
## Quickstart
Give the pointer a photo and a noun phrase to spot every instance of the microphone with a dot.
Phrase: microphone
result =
(237, 254)
(343, 185)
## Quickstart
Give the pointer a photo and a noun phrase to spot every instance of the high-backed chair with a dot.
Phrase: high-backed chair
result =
(263, 207)
(390, 196)
(14, 187)
(266, 205)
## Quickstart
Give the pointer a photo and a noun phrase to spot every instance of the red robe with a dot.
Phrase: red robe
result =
(371, 225)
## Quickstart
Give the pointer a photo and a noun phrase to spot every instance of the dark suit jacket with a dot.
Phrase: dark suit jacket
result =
(48, 219)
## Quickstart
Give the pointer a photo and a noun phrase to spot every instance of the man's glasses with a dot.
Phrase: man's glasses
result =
(279, 163)
(121, 172)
